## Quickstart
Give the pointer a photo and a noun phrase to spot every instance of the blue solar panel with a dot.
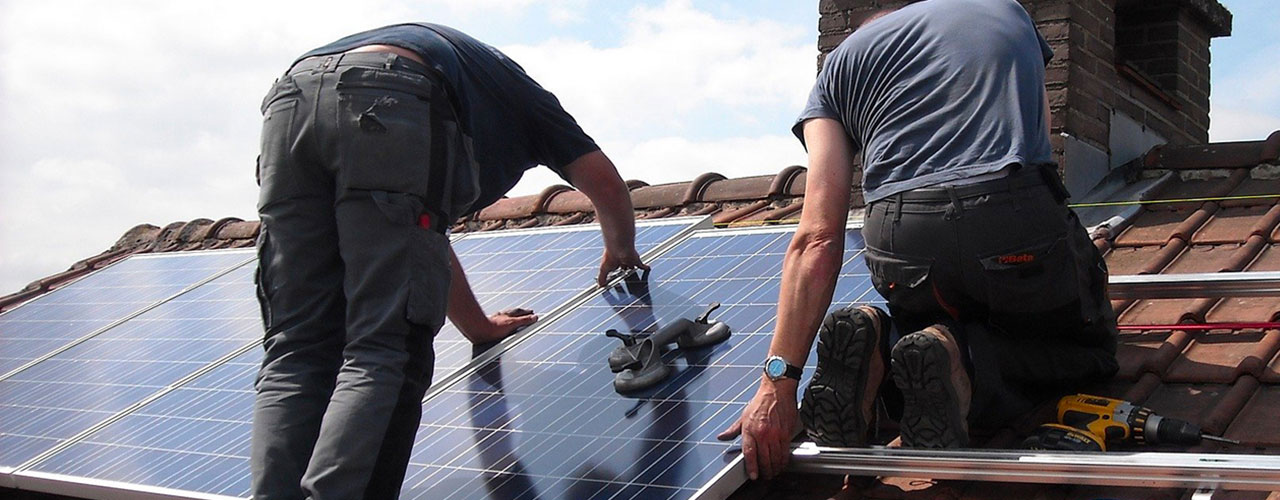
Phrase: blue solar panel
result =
(543, 420)
(70, 392)
(54, 320)
(202, 428)
(195, 438)
(534, 269)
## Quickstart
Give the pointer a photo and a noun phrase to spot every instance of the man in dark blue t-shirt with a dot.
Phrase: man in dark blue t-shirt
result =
(371, 147)
(996, 292)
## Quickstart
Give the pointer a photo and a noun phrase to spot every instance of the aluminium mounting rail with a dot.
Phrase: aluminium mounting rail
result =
(1151, 469)
(1195, 285)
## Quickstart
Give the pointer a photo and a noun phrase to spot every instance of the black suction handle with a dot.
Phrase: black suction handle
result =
(638, 363)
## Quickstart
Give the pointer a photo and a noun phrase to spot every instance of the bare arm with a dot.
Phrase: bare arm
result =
(595, 175)
(809, 271)
(466, 314)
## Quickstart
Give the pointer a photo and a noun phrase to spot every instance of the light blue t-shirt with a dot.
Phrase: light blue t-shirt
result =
(938, 91)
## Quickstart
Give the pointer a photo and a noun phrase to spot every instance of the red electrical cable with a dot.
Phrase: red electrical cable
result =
(1260, 325)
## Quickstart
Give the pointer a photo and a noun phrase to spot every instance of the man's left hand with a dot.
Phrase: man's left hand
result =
(767, 425)
(502, 324)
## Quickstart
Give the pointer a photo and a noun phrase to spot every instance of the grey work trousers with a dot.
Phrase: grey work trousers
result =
(1006, 265)
(352, 277)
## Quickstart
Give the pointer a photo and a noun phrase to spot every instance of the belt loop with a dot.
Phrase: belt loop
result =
(956, 210)
(391, 59)
(897, 207)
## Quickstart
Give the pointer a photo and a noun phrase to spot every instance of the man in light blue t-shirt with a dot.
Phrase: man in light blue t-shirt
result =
(996, 291)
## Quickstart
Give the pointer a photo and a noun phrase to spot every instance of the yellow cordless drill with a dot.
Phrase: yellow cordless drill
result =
(1115, 420)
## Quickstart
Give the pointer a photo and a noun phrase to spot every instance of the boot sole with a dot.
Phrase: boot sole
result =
(931, 413)
(831, 407)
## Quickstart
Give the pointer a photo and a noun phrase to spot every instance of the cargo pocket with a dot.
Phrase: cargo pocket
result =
(426, 259)
(900, 279)
(429, 282)
(1034, 278)
(384, 130)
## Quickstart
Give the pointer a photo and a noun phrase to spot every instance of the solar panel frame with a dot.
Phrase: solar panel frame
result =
(250, 255)
(98, 489)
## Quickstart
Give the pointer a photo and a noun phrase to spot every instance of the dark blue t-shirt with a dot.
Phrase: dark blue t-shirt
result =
(513, 122)
(938, 91)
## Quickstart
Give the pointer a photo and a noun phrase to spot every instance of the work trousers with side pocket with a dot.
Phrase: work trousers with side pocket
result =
(353, 274)
(1007, 266)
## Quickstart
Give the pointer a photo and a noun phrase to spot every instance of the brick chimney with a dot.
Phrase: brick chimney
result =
(1126, 75)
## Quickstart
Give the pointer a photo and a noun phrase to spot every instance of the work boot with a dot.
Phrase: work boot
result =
(936, 390)
(839, 401)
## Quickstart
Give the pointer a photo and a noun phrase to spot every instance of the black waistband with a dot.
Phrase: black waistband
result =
(1023, 177)
(386, 60)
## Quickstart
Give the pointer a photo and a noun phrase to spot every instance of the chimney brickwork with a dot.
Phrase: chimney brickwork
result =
(1145, 59)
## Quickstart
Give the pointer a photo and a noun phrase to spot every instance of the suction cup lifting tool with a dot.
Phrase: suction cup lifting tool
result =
(638, 361)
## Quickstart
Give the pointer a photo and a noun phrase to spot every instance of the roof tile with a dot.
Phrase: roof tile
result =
(1255, 192)
(1149, 352)
(1157, 311)
(744, 188)
(740, 212)
(698, 188)
(1229, 407)
(1236, 224)
(509, 208)
(660, 196)
(1130, 260)
(789, 182)
(1271, 374)
(1202, 184)
(1257, 425)
(1153, 227)
(1201, 156)
(1222, 356)
(565, 200)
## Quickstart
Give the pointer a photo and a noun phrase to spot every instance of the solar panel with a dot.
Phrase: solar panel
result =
(195, 438)
(542, 419)
(68, 393)
(536, 269)
(202, 428)
(54, 320)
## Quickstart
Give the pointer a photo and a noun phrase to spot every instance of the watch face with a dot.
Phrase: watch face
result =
(775, 367)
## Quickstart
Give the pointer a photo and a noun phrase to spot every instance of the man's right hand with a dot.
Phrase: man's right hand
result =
(611, 261)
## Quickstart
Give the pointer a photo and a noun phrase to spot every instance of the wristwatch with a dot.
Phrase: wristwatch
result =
(777, 368)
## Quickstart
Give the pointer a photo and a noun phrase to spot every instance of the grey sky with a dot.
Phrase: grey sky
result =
(119, 113)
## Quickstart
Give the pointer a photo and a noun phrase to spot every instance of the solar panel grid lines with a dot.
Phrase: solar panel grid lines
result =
(135, 406)
(52, 323)
(70, 394)
(541, 419)
(571, 282)
(194, 438)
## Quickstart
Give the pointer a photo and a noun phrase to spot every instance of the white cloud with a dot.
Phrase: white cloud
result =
(1234, 124)
(1245, 105)
(677, 69)
(118, 113)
